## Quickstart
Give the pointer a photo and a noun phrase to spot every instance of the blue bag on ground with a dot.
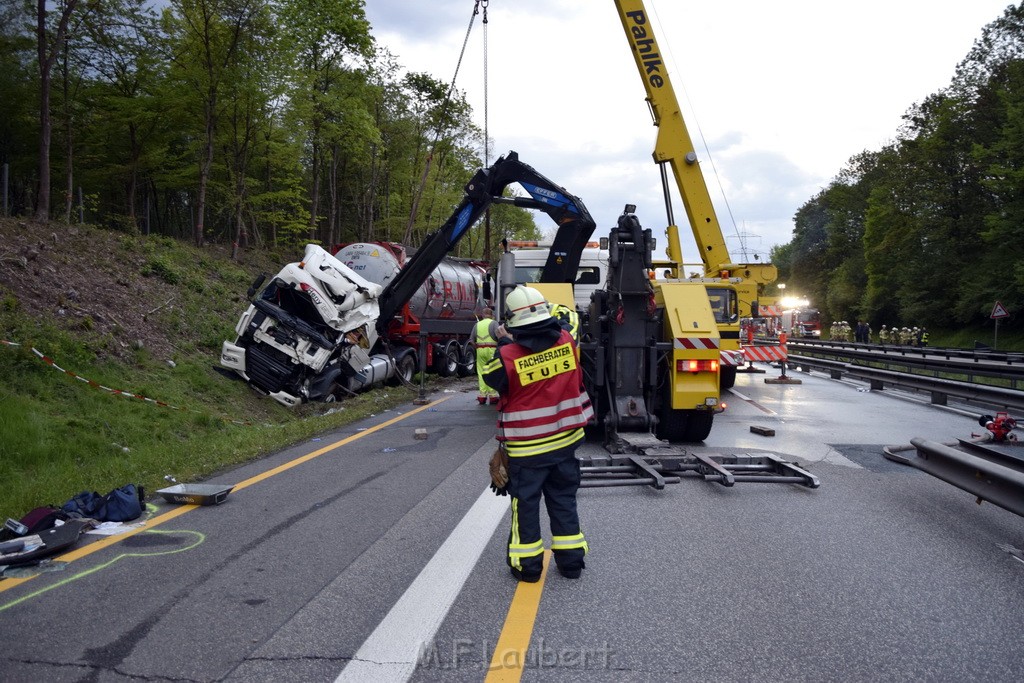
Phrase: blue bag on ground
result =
(85, 504)
(120, 505)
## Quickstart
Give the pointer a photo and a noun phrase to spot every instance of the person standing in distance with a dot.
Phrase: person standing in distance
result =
(542, 411)
(485, 340)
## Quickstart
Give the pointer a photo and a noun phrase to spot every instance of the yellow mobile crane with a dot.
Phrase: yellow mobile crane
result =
(733, 288)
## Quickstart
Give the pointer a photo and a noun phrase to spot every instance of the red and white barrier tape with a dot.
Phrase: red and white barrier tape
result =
(116, 392)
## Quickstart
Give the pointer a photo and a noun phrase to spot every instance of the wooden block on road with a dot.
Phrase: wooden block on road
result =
(763, 431)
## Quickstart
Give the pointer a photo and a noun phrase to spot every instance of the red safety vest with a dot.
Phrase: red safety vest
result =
(546, 406)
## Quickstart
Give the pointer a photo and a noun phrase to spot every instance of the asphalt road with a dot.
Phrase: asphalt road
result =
(370, 555)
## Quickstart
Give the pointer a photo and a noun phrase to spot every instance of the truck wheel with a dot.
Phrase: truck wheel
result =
(468, 365)
(698, 425)
(446, 361)
(727, 377)
(686, 426)
(405, 370)
(672, 425)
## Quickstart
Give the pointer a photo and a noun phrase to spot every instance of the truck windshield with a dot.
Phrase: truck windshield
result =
(586, 275)
(723, 304)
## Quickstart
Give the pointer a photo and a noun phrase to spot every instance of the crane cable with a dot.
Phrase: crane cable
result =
(487, 145)
(441, 121)
(707, 149)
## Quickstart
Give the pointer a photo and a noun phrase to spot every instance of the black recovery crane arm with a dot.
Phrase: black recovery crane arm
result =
(575, 226)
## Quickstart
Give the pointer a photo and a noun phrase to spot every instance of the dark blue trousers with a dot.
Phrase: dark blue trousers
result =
(555, 477)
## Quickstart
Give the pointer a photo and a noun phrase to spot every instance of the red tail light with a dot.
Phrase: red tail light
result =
(697, 365)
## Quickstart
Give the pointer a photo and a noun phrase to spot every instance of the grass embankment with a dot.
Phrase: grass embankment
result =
(59, 435)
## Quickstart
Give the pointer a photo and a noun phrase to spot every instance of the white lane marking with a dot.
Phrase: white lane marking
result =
(393, 649)
(752, 402)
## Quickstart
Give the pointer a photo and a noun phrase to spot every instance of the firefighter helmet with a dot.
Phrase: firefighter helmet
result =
(525, 305)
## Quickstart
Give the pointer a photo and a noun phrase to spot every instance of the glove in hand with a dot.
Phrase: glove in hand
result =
(499, 472)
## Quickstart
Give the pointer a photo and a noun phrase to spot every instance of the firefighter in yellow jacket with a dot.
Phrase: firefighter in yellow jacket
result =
(485, 342)
(542, 412)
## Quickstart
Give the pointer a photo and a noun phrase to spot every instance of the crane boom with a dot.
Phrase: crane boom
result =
(675, 149)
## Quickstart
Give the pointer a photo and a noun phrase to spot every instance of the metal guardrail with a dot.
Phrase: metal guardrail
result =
(939, 389)
(1007, 369)
(999, 482)
(981, 353)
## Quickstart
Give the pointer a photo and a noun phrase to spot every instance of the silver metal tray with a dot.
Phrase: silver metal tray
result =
(196, 494)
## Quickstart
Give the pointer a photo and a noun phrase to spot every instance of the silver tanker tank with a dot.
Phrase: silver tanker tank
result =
(453, 290)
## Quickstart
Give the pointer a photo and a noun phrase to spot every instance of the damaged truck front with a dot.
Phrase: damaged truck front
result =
(308, 334)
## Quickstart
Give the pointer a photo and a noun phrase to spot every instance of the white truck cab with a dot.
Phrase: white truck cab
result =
(590, 276)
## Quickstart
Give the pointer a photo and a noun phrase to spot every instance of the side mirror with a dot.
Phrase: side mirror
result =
(256, 285)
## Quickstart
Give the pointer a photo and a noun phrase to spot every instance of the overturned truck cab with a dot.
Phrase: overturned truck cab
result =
(307, 335)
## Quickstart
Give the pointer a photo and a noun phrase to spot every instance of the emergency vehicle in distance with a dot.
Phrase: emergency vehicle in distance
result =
(802, 321)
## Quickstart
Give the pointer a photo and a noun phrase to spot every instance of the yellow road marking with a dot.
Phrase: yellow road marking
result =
(199, 538)
(7, 584)
(510, 651)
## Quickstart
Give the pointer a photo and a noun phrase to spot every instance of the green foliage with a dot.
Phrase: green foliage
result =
(927, 231)
(63, 435)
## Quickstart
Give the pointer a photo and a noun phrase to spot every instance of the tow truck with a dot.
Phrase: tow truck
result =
(734, 287)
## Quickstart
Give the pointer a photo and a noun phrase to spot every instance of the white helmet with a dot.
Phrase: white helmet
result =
(525, 305)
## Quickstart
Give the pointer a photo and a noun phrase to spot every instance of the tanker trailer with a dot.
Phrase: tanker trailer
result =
(456, 292)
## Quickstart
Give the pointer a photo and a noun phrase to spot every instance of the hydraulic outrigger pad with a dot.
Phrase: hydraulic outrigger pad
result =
(656, 470)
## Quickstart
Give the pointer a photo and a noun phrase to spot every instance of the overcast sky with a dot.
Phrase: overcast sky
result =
(781, 93)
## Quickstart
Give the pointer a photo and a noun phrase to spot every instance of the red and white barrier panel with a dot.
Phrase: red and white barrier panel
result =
(730, 358)
(767, 354)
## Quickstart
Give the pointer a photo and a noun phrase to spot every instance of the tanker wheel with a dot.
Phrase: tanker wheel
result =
(727, 377)
(468, 365)
(446, 361)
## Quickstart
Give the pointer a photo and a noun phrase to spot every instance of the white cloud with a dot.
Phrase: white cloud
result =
(785, 93)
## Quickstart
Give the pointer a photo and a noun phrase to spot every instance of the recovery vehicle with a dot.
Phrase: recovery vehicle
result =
(734, 286)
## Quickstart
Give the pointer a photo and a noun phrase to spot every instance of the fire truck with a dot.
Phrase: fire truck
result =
(802, 323)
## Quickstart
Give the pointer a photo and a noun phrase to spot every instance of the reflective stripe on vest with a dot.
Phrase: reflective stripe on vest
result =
(482, 334)
(546, 407)
(522, 449)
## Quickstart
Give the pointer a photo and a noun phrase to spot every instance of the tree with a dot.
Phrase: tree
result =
(49, 44)
(325, 36)
(205, 40)
(18, 118)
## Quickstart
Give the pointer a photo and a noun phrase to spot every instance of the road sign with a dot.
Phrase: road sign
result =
(998, 311)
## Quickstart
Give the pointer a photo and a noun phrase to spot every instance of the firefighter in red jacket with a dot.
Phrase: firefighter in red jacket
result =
(542, 411)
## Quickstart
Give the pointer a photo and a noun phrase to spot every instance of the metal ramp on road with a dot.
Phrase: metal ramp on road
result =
(645, 460)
